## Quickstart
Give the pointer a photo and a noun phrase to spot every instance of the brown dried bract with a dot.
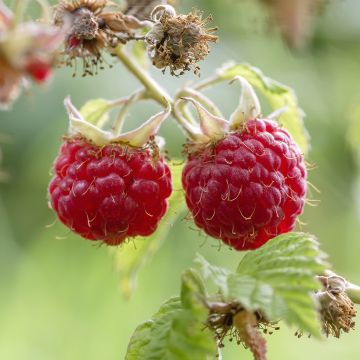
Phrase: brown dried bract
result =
(94, 25)
(179, 42)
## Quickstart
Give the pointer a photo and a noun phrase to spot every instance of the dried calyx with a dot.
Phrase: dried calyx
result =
(337, 310)
(232, 321)
(178, 42)
(139, 137)
(94, 25)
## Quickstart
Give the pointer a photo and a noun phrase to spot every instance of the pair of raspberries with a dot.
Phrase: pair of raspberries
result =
(244, 189)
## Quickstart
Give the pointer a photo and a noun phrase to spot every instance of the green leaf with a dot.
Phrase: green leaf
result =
(95, 111)
(217, 274)
(176, 331)
(130, 259)
(278, 279)
(193, 292)
(143, 335)
(278, 95)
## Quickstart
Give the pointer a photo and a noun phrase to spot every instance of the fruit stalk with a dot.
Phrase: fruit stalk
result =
(155, 91)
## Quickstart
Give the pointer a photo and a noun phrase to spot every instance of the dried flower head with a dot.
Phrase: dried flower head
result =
(27, 50)
(178, 41)
(337, 311)
(94, 25)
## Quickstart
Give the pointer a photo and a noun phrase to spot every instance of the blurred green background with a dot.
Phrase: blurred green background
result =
(59, 294)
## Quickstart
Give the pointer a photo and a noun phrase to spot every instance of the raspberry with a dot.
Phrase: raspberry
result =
(247, 187)
(109, 192)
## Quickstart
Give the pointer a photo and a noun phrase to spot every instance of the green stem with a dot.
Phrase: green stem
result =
(137, 96)
(329, 278)
(155, 91)
(353, 292)
(211, 81)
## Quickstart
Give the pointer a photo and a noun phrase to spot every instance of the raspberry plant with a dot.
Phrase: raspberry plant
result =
(243, 179)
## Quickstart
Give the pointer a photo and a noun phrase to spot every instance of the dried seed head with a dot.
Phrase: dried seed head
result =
(94, 26)
(337, 311)
(179, 41)
(85, 24)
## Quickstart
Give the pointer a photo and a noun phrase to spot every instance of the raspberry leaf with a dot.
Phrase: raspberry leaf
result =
(143, 335)
(176, 331)
(130, 260)
(278, 95)
(278, 279)
(193, 292)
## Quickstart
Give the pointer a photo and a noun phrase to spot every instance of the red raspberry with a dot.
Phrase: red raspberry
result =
(111, 192)
(247, 187)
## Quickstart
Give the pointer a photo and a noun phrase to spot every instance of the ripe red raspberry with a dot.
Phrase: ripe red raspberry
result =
(247, 187)
(109, 192)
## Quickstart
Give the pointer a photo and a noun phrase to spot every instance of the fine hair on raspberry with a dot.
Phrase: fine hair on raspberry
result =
(109, 193)
(247, 187)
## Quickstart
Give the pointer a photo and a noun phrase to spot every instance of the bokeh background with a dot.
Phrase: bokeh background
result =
(59, 294)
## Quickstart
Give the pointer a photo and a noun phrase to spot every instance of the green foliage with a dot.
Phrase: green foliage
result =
(278, 95)
(176, 331)
(130, 259)
(278, 279)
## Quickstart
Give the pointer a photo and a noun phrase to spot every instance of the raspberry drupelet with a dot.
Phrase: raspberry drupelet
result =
(109, 193)
(248, 187)
(111, 190)
(245, 178)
